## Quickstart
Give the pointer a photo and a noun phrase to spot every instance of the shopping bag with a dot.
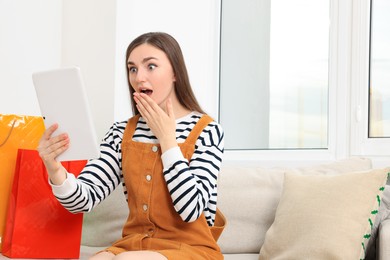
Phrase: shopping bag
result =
(16, 131)
(38, 226)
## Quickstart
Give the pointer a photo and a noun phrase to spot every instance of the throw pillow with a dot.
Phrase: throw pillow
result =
(325, 217)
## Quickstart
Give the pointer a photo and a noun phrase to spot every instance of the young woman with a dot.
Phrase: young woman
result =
(167, 156)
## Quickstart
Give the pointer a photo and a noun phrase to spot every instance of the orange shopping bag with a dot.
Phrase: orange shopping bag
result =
(15, 132)
(38, 226)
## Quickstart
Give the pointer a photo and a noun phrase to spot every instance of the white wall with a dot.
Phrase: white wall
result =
(30, 34)
(88, 41)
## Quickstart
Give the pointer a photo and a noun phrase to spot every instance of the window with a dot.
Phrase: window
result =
(342, 69)
(274, 74)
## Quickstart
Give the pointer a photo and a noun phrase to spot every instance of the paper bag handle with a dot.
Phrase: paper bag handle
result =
(9, 134)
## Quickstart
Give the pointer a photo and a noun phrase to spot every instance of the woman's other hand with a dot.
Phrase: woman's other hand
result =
(49, 148)
(162, 123)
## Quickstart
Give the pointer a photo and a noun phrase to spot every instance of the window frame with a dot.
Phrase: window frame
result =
(361, 144)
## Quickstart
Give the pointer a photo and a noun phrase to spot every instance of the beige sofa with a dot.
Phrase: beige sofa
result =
(249, 198)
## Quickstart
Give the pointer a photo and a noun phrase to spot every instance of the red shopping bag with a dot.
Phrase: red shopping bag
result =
(38, 226)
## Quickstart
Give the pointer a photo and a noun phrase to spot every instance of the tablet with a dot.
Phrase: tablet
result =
(62, 99)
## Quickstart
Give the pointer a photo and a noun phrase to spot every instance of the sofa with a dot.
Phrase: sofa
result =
(253, 200)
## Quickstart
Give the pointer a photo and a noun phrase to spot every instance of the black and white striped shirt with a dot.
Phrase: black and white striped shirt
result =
(192, 185)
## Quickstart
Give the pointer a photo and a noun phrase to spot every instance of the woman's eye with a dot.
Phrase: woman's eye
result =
(152, 66)
(132, 69)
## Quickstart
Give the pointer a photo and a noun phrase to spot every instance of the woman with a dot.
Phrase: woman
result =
(167, 156)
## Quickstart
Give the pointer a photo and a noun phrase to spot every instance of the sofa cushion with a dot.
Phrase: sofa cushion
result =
(249, 196)
(103, 225)
(325, 217)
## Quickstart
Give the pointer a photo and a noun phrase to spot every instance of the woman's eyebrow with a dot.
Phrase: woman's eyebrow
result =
(143, 61)
(148, 59)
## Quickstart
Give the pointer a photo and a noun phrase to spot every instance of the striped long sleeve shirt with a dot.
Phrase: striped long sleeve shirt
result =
(192, 184)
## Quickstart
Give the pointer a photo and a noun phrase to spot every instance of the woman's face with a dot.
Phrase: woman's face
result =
(150, 72)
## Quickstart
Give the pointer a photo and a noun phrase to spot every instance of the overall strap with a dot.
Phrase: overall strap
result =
(130, 127)
(198, 128)
(220, 220)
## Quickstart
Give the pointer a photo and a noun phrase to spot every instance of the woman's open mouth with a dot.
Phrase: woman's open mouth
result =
(147, 91)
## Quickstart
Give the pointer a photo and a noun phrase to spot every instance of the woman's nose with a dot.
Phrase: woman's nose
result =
(140, 77)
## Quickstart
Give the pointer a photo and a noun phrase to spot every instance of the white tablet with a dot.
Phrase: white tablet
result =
(62, 99)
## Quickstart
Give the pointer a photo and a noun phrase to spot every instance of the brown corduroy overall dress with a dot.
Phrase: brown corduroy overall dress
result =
(153, 224)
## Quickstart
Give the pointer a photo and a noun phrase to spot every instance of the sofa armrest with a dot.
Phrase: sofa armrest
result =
(384, 240)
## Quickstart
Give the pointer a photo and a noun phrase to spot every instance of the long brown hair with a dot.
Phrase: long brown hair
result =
(171, 48)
